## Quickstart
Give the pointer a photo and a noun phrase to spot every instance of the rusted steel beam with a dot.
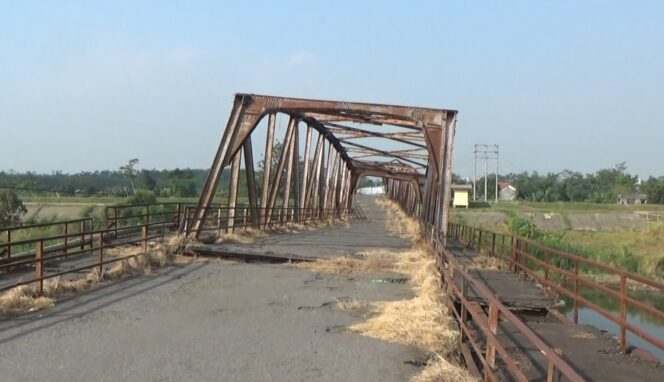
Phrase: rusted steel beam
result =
(251, 182)
(445, 177)
(328, 176)
(412, 154)
(290, 153)
(218, 164)
(403, 137)
(305, 170)
(267, 165)
(427, 128)
(321, 180)
(296, 173)
(312, 184)
(232, 190)
(274, 189)
(385, 153)
(335, 181)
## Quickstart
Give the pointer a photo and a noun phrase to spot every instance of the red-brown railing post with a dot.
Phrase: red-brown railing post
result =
(552, 374)
(66, 237)
(576, 291)
(546, 265)
(493, 244)
(186, 222)
(493, 328)
(464, 311)
(39, 265)
(623, 311)
(9, 244)
(515, 256)
(115, 221)
(178, 212)
(101, 254)
(219, 221)
(81, 229)
(144, 236)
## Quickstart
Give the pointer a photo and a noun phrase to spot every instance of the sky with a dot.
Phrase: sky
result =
(87, 85)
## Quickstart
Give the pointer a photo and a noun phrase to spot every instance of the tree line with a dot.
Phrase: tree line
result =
(177, 182)
(603, 186)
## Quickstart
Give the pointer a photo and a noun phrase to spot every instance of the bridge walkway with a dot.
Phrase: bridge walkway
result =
(591, 352)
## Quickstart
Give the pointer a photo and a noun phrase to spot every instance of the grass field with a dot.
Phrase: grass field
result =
(620, 235)
(523, 206)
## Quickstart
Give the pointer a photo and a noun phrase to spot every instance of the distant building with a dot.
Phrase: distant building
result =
(506, 191)
(633, 198)
(461, 195)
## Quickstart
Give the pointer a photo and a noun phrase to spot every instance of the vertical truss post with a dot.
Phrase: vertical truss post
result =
(218, 165)
(328, 177)
(305, 172)
(251, 182)
(312, 184)
(321, 182)
(267, 166)
(280, 170)
(296, 173)
(335, 182)
(232, 190)
(289, 172)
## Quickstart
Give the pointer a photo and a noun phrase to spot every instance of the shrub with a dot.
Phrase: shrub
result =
(525, 228)
(142, 197)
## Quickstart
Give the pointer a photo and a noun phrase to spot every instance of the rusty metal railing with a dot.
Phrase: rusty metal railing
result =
(12, 237)
(564, 273)
(223, 219)
(135, 225)
(486, 345)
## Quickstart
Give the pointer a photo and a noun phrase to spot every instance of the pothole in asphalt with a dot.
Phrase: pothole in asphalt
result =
(324, 305)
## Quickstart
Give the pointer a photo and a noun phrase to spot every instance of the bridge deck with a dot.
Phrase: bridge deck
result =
(593, 353)
(219, 320)
(340, 240)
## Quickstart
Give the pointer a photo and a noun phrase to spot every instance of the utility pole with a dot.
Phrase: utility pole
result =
(496, 152)
(486, 152)
(486, 176)
(475, 176)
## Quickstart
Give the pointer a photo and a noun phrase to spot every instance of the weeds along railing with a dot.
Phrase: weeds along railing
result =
(568, 275)
(485, 343)
(98, 242)
(11, 238)
(75, 246)
(223, 219)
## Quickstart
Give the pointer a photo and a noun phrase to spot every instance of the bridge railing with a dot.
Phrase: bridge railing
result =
(28, 250)
(12, 238)
(485, 343)
(568, 275)
(223, 219)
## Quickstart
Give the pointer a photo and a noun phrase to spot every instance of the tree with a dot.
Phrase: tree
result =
(130, 172)
(148, 181)
(11, 209)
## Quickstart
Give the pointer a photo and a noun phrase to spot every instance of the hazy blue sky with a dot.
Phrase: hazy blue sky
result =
(557, 84)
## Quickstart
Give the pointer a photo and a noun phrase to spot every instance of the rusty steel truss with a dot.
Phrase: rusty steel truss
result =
(343, 142)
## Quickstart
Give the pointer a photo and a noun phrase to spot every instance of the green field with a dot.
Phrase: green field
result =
(622, 236)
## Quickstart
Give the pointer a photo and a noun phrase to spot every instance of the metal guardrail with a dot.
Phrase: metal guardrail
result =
(225, 219)
(130, 224)
(13, 244)
(488, 345)
(89, 242)
(562, 272)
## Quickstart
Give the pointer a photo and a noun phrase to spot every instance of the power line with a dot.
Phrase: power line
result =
(486, 152)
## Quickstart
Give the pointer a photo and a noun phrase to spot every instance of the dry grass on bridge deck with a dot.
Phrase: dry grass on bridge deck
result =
(215, 320)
